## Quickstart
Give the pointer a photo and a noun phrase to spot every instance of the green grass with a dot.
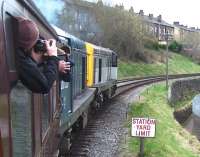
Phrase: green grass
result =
(171, 139)
(178, 64)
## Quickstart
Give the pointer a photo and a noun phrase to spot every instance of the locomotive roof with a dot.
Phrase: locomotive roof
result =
(30, 5)
(74, 42)
(101, 50)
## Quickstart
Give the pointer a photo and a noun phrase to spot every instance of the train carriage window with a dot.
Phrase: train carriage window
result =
(20, 100)
(9, 38)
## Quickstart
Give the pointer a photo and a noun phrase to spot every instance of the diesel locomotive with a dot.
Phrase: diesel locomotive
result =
(42, 124)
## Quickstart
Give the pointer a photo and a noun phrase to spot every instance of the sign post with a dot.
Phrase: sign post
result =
(141, 153)
(143, 128)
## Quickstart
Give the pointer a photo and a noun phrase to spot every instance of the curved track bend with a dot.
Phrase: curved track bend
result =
(105, 129)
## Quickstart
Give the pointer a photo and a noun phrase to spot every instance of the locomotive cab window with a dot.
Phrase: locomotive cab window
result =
(114, 60)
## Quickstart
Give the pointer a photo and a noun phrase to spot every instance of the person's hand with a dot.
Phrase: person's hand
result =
(63, 66)
(51, 47)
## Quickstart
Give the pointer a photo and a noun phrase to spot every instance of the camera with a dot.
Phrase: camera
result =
(40, 46)
(66, 59)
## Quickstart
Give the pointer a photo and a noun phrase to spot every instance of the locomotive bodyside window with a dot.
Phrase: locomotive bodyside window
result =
(100, 69)
(94, 73)
(83, 72)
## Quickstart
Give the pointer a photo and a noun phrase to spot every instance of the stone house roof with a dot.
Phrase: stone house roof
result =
(155, 20)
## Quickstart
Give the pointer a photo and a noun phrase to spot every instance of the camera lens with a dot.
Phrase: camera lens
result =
(40, 46)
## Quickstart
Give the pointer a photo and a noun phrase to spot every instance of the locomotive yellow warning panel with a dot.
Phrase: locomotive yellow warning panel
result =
(90, 64)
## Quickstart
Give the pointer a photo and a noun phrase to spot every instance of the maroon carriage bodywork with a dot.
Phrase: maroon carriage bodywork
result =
(4, 89)
(43, 141)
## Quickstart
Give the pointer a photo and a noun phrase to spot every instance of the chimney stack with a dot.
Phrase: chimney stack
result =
(159, 18)
(141, 13)
(176, 23)
(151, 16)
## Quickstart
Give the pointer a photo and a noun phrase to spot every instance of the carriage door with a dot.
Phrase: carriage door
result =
(19, 97)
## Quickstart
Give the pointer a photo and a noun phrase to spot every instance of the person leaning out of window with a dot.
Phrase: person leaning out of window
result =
(35, 71)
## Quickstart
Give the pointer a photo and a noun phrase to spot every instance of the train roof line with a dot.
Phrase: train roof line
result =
(99, 47)
(63, 33)
(74, 41)
(30, 5)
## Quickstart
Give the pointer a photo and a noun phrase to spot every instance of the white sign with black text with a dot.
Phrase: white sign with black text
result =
(143, 127)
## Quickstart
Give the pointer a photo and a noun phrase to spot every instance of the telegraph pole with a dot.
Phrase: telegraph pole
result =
(167, 60)
(167, 38)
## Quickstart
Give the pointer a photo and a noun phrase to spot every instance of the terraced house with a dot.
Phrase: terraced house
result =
(182, 32)
(80, 18)
(156, 27)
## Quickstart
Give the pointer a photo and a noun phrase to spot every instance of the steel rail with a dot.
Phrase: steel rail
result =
(127, 84)
(153, 76)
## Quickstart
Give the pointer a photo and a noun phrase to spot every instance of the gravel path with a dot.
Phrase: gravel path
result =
(102, 136)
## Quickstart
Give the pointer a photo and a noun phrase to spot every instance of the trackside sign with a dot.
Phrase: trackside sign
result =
(143, 127)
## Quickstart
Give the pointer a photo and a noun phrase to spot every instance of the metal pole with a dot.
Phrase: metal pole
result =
(167, 70)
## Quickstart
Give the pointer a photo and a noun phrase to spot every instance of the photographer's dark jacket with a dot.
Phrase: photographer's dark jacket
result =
(39, 78)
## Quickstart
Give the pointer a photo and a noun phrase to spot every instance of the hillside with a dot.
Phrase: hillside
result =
(171, 139)
(177, 64)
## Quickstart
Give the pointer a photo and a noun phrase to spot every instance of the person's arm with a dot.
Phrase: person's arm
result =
(33, 78)
(64, 70)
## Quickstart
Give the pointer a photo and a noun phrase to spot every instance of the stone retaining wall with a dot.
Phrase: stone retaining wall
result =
(183, 114)
(181, 88)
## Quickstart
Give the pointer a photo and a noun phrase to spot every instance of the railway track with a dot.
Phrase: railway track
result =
(106, 125)
(127, 84)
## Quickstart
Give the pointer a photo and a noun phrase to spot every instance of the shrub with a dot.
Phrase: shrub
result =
(151, 43)
(175, 46)
(162, 46)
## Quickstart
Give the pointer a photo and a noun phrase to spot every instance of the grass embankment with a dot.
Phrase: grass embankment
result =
(178, 64)
(171, 139)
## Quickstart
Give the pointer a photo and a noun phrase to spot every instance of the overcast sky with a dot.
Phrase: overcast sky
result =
(185, 11)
